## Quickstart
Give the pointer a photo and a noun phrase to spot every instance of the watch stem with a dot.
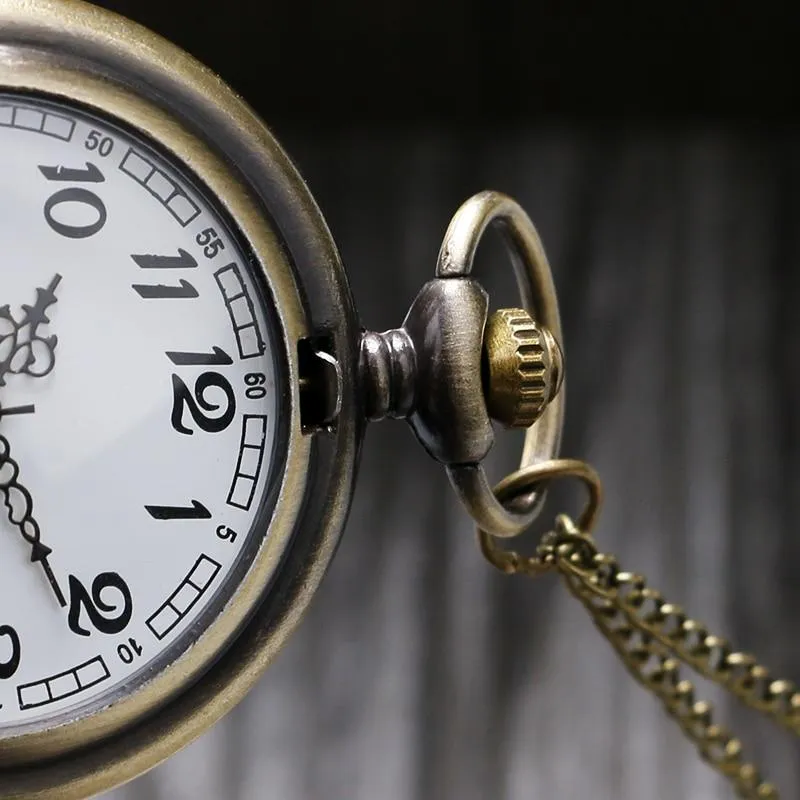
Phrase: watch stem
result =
(388, 367)
(523, 367)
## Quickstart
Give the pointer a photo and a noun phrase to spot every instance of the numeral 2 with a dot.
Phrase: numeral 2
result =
(105, 617)
(198, 404)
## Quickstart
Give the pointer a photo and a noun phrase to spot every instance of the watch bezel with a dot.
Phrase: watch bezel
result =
(69, 50)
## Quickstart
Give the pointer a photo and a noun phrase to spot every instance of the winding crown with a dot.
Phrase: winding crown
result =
(523, 367)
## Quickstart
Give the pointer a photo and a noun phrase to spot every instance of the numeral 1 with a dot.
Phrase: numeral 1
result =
(88, 174)
(218, 356)
(183, 260)
(160, 290)
(195, 511)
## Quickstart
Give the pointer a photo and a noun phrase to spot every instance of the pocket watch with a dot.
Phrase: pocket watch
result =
(184, 386)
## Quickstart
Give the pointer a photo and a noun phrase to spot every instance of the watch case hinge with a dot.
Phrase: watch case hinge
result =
(320, 384)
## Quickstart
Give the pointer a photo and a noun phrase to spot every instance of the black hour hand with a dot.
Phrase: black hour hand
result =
(23, 349)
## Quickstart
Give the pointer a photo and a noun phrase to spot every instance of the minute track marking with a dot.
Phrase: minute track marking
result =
(118, 352)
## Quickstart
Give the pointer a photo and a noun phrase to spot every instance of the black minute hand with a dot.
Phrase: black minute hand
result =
(19, 505)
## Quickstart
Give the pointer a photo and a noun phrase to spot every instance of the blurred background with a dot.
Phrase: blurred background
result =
(656, 148)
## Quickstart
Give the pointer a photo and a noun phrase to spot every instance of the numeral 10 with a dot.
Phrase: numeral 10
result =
(74, 195)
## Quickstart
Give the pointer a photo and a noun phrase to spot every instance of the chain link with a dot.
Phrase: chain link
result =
(652, 637)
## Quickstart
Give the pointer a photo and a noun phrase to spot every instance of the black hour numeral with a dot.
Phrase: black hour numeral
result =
(217, 357)
(74, 197)
(195, 511)
(199, 405)
(88, 174)
(160, 291)
(105, 617)
(183, 260)
(10, 666)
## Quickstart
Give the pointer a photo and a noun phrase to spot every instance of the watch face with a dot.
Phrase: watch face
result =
(140, 389)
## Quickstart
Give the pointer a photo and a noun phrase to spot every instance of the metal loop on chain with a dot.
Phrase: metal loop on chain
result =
(538, 295)
(526, 480)
(652, 637)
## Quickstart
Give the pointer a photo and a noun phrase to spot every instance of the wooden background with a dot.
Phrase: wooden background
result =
(672, 226)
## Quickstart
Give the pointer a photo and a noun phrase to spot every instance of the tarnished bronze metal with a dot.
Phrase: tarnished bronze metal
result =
(388, 371)
(73, 51)
(429, 371)
(653, 638)
(445, 370)
(538, 297)
(537, 477)
(523, 367)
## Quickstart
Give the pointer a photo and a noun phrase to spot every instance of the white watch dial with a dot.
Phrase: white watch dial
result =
(140, 394)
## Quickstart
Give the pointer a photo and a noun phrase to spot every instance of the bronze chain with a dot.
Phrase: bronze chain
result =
(652, 637)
